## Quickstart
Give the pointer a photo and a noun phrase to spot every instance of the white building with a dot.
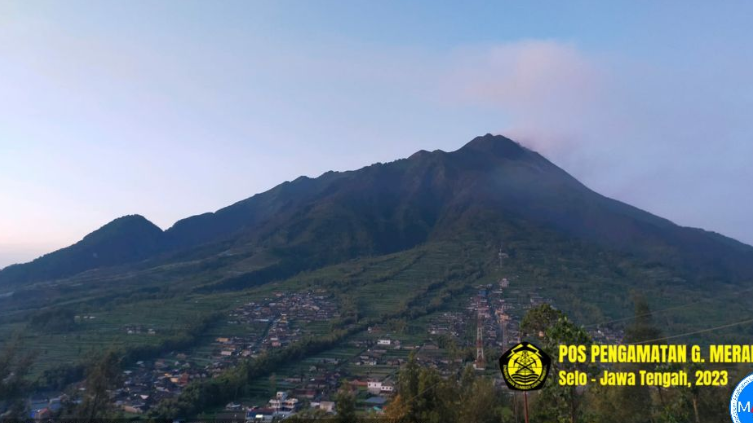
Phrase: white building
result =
(374, 387)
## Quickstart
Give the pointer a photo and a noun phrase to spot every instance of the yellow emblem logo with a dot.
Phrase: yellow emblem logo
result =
(524, 367)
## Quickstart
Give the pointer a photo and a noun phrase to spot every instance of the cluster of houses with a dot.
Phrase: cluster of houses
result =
(149, 383)
(491, 319)
(284, 318)
(274, 322)
(316, 386)
(607, 335)
(448, 323)
(44, 407)
(280, 407)
(303, 307)
(319, 383)
(376, 354)
(485, 309)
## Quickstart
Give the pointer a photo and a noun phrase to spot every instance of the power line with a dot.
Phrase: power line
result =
(741, 322)
(670, 308)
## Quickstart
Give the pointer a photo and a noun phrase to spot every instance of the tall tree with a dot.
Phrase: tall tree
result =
(558, 403)
(101, 377)
(631, 404)
(538, 319)
(14, 366)
(345, 405)
(642, 328)
(480, 403)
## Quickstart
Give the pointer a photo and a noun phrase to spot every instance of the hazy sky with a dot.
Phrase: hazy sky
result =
(169, 109)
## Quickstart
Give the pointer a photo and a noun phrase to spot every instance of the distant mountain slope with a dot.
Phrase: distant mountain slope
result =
(391, 207)
(124, 240)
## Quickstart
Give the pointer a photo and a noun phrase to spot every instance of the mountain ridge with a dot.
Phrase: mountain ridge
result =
(389, 207)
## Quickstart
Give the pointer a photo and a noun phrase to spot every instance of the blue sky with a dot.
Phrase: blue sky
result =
(169, 109)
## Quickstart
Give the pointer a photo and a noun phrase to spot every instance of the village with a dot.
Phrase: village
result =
(271, 323)
(370, 361)
(476, 331)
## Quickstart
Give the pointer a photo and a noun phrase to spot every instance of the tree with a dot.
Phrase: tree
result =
(538, 319)
(14, 367)
(642, 329)
(273, 384)
(345, 405)
(102, 376)
(695, 404)
(432, 403)
(425, 396)
(480, 403)
(558, 403)
(397, 410)
(633, 404)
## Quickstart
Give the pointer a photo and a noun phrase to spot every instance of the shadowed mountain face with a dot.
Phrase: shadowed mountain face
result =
(391, 207)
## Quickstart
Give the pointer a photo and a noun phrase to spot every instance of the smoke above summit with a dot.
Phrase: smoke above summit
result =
(653, 135)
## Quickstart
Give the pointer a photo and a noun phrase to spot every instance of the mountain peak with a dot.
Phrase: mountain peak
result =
(126, 239)
(419, 155)
(130, 219)
(496, 145)
(123, 224)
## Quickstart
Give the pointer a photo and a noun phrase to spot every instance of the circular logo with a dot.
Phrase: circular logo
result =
(524, 367)
(742, 401)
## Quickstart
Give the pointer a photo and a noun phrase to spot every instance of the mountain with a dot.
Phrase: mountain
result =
(126, 239)
(384, 208)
